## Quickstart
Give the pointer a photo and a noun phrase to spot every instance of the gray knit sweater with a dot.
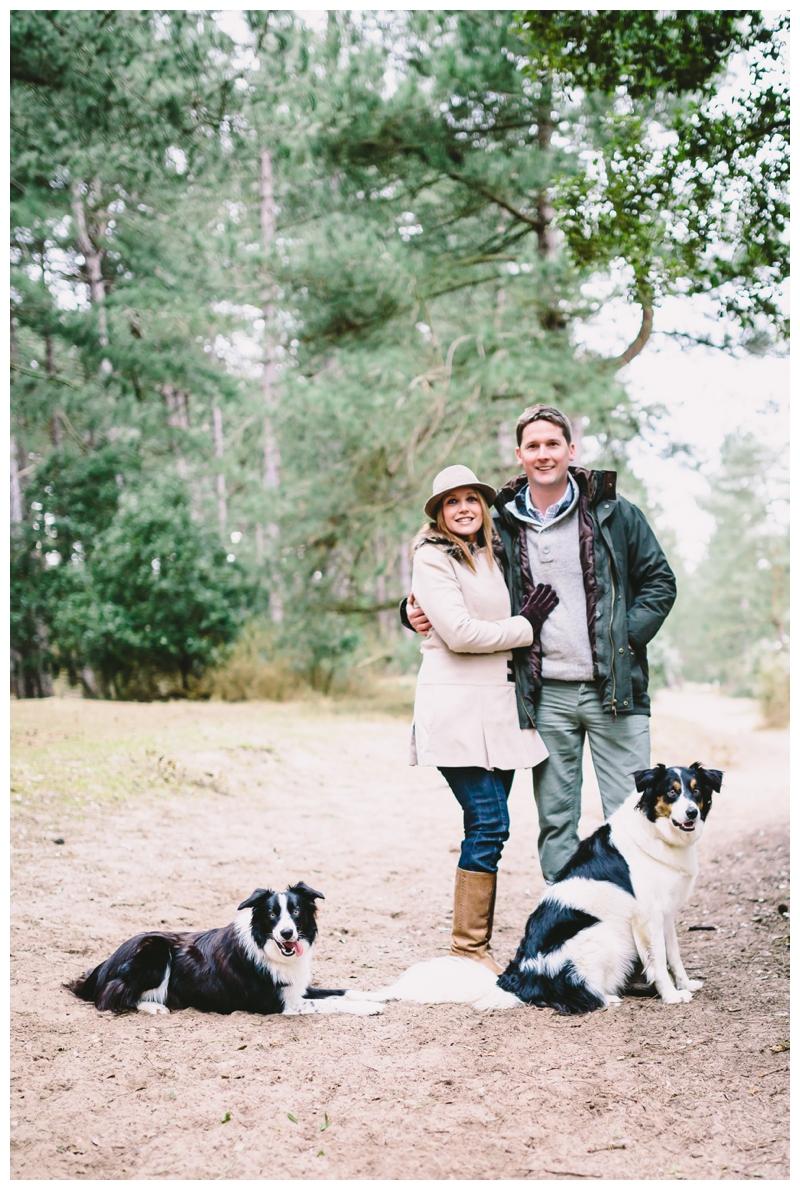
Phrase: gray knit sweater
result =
(555, 559)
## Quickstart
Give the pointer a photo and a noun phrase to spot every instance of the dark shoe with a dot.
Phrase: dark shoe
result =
(637, 983)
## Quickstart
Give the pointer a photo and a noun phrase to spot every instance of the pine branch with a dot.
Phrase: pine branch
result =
(498, 200)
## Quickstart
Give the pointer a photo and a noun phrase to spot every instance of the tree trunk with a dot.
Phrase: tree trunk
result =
(49, 355)
(577, 422)
(219, 455)
(551, 317)
(386, 620)
(30, 677)
(177, 406)
(643, 334)
(16, 506)
(404, 569)
(55, 423)
(56, 435)
(506, 442)
(269, 377)
(94, 261)
(545, 231)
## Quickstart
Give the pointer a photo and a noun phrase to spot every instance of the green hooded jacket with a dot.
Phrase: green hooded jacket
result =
(629, 586)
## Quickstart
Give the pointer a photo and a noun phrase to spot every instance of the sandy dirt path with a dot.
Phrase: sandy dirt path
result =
(128, 816)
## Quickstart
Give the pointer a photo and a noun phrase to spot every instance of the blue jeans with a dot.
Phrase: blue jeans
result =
(483, 796)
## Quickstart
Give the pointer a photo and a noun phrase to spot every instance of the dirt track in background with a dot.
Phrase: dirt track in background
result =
(129, 816)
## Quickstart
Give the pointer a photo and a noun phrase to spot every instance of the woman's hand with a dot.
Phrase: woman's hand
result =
(538, 606)
(416, 616)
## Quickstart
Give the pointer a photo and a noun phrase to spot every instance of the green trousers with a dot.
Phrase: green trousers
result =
(566, 713)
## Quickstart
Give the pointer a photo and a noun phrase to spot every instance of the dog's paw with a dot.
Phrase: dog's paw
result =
(151, 1008)
(676, 996)
(613, 1000)
(496, 1000)
(694, 985)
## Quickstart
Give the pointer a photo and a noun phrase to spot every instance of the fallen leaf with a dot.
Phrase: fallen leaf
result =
(291, 1117)
(225, 1118)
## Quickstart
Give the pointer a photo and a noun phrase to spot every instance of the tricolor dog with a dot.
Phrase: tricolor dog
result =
(617, 899)
(261, 962)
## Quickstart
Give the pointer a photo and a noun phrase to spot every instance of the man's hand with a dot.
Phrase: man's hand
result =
(538, 606)
(416, 616)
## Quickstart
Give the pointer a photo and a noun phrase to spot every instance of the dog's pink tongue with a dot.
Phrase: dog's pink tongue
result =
(297, 947)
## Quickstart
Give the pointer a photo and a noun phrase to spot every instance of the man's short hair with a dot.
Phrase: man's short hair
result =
(543, 413)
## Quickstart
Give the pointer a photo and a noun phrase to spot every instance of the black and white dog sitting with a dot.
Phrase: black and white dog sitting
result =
(261, 962)
(616, 899)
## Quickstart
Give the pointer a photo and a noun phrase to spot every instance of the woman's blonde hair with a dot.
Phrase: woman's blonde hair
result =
(483, 536)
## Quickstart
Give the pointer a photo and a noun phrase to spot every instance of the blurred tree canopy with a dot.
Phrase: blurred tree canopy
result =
(264, 287)
(735, 626)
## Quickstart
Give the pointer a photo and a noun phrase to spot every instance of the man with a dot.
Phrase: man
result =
(586, 675)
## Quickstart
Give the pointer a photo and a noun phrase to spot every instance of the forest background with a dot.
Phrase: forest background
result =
(270, 274)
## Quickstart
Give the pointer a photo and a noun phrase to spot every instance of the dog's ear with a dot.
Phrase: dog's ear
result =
(646, 778)
(712, 776)
(304, 890)
(258, 894)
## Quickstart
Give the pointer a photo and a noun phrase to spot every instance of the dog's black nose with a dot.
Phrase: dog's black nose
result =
(692, 812)
(288, 933)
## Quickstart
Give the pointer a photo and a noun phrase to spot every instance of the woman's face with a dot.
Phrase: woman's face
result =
(462, 512)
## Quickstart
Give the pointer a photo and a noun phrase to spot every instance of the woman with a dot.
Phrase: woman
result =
(465, 713)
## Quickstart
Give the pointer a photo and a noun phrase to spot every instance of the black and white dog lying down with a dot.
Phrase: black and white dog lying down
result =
(261, 962)
(616, 899)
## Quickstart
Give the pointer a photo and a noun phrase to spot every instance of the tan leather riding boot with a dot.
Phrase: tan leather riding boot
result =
(473, 914)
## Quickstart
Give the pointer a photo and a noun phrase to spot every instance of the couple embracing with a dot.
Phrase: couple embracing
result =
(536, 604)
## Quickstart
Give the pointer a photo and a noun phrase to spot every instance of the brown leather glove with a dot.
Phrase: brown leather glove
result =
(538, 606)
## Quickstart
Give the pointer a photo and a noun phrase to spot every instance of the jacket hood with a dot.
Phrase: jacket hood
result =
(594, 485)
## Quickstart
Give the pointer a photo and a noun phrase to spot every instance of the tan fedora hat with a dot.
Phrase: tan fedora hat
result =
(457, 476)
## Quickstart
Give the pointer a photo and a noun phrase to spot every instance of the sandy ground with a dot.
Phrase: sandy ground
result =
(128, 816)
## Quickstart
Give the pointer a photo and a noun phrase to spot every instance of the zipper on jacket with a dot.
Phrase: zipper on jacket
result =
(611, 643)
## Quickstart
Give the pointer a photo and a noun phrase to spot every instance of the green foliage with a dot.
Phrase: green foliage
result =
(72, 499)
(644, 53)
(445, 186)
(131, 586)
(31, 660)
(109, 93)
(688, 191)
(164, 596)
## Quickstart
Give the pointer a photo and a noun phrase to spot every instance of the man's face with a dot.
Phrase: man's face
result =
(545, 455)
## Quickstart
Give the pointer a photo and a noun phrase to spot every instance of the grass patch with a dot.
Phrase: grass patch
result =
(77, 753)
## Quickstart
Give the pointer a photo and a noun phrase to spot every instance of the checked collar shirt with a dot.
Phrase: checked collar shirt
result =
(525, 506)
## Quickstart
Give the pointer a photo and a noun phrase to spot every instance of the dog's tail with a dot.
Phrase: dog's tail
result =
(564, 990)
(108, 995)
(117, 985)
(86, 986)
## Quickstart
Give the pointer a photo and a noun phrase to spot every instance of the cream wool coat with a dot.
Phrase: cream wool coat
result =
(465, 710)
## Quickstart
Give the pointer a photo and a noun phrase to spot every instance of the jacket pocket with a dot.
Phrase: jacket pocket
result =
(640, 671)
